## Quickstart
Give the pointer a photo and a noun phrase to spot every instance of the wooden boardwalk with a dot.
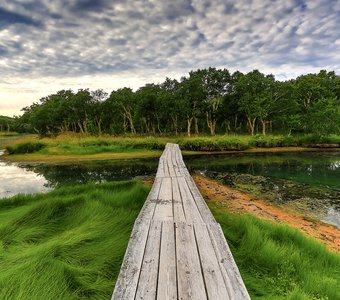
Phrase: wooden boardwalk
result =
(177, 250)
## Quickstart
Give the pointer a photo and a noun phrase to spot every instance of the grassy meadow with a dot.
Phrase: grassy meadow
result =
(66, 244)
(277, 261)
(70, 147)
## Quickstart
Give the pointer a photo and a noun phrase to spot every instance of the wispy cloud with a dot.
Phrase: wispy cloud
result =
(76, 38)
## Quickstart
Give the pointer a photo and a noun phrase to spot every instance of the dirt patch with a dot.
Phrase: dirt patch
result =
(238, 202)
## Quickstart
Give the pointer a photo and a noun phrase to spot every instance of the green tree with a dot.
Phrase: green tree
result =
(171, 102)
(123, 103)
(216, 86)
(149, 108)
(192, 95)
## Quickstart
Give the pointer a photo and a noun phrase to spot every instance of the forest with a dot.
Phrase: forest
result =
(206, 101)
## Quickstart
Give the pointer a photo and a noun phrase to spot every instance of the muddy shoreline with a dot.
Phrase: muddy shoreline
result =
(239, 202)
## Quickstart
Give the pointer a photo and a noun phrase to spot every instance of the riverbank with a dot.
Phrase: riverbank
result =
(237, 202)
(76, 147)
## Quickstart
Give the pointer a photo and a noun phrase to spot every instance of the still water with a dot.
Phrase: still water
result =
(311, 178)
(34, 178)
(307, 182)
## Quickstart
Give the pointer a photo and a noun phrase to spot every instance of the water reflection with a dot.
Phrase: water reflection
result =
(101, 171)
(15, 180)
(36, 178)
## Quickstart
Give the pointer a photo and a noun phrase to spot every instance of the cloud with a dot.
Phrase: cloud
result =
(106, 39)
(11, 18)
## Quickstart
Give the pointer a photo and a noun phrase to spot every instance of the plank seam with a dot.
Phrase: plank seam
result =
(159, 260)
(159, 190)
(180, 192)
(174, 225)
(200, 260)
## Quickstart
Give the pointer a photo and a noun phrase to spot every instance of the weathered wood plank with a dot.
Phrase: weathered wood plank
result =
(230, 272)
(170, 164)
(147, 283)
(179, 215)
(212, 274)
(149, 206)
(160, 169)
(175, 150)
(190, 280)
(203, 208)
(164, 210)
(167, 276)
(126, 284)
(192, 213)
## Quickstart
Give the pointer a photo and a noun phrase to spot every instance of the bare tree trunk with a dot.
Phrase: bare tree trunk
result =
(80, 126)
(189, 122)
(85, 126)
(211, 123)
(263, 123)
(175, 123)
(196, 126)
(124, 123)
(251, 125)
(227, 126)
(129, 117)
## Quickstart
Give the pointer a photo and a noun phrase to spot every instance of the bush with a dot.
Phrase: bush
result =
(28, 147)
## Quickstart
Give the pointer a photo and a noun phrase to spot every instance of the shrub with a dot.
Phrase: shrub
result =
(28, 147)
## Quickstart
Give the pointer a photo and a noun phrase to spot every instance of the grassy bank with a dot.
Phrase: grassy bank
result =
(72, 147)
(278, 262)
(67, 244)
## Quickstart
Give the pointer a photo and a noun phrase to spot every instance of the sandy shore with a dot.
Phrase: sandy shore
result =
(238, 202)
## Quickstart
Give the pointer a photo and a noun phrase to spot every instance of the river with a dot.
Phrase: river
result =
(307, 181)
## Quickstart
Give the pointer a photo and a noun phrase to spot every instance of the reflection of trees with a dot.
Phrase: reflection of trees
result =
(66, 174)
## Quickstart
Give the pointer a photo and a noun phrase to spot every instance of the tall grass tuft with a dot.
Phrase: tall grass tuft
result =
(279, 262)
(67, 244)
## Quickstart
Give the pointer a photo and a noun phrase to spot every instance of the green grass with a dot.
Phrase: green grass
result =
(78, 145)
(67, 244)
(277, 261)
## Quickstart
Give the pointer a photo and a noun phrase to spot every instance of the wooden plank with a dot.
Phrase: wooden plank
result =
(212, 274)
(170, 164)
(166, 159)
(149, 206)
(147, 284)
(203, 208)
(189, 275)
(160, 170)
(192, 213)
(129, 273)
(230, 272)
(174, 160)
(179, 215)
(167, 276)
(163, 209)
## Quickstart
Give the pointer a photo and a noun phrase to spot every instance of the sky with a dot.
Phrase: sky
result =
(47, 46)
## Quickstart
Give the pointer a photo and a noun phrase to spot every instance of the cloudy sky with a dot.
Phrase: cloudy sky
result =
(46, 46)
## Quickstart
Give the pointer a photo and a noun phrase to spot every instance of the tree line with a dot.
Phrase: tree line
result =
(206, 101)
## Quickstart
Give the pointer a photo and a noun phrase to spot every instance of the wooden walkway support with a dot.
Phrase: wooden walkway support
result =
(177, 250)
